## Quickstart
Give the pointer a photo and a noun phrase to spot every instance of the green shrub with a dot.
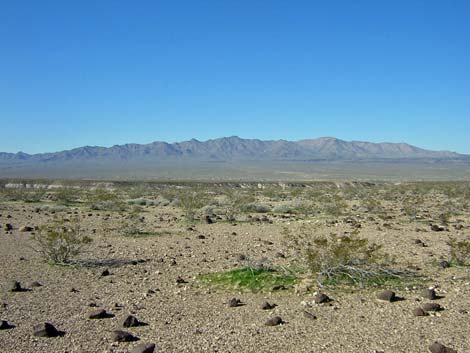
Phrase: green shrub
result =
(294, 207)
(101, 199)
(253, 207)
(459, 251)
(52, 208)
(191, 202)
(333, 205)
(67, 195)
(233, 202)
(284, 208)
(59, 241)
(141, 202)
(334, 258)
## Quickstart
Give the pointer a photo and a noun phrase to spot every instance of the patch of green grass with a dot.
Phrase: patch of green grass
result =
(145, 234)
(250, 279)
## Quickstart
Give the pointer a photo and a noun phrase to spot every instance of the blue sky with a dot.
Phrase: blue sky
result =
(102, 72)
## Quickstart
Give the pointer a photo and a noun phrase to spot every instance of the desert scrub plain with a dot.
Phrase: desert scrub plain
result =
(234, 267)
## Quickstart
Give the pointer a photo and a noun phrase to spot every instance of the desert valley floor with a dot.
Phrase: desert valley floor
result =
(168, 272)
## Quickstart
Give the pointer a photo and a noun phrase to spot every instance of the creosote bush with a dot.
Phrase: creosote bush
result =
(101, 199)
(253, 207)
(59, 241)
(234, 202)
(332, 258)
(459, 251)
(191, 202)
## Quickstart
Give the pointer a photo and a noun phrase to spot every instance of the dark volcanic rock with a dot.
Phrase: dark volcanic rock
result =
(387, 295)
(234, 302)
(99, 314)
(123, 336)
(321, 298)
(130, 321)
(207, 220)
(4, 325)
(419, 312)
(444, 264)
(274, 321)
(436, 347)
(45, 330)
(15, 286)
(180, 280)
(431, 307)
(267, 306)
(144, 348)
(429, 293)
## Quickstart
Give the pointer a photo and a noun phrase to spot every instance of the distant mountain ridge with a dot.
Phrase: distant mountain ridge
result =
(236, 148)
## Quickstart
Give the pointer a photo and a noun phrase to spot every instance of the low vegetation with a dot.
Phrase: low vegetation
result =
(252, 279)
(459, 251)
(60, 241)
(332, 258)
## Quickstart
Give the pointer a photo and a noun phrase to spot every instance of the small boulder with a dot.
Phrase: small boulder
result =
(15, 286)
(431, 307)
(4, 325)
(387, 295)
(144, 348)
(45, 330)
(429, 293)
(321, 298)
(444, 264)
(274, 321)
(130, 321)
(207, 220)
(234, 302)
(26, 229)
(419, 312)
(437, 347)
(98, 314)
(437, 228)
(123, 336)
(267, 306)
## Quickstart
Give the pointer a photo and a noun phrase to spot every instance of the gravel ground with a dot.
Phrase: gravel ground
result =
(192, 317)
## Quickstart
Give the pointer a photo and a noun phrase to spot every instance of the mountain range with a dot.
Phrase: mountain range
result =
(158, 157)
(235, 148)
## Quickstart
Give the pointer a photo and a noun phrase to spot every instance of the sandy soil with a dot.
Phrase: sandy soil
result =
(191, 317)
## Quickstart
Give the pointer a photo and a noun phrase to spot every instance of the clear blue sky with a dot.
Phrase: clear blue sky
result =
(102, 72)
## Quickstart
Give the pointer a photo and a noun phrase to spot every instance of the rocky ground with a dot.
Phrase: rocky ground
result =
(155, 278)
